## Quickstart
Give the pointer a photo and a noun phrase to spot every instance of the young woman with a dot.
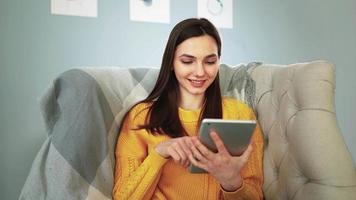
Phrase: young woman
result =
(158, 137)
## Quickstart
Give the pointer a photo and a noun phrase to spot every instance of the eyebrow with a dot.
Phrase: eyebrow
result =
(190, 56)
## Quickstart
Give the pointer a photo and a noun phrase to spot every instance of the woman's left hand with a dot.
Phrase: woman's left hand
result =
(225, 168)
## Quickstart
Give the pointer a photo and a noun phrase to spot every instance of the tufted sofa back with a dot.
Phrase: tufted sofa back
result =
(305, 155)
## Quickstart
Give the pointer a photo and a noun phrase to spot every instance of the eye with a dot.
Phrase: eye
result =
(187, 62)
(211, 62)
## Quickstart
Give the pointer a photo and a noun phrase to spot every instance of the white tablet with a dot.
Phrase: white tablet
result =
(236, 135)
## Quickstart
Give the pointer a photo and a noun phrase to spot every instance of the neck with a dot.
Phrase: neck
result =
(192, 102)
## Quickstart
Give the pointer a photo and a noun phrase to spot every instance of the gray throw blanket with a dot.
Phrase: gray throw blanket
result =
(82, 110)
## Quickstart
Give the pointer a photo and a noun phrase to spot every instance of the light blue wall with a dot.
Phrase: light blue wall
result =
(36, 46)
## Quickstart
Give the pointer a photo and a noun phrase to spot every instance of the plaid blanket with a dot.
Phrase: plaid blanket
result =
(82, 110)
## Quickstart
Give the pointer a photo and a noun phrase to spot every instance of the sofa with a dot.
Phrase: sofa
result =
(305, 156)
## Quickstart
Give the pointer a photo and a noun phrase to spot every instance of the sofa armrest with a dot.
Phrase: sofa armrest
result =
(305, 154)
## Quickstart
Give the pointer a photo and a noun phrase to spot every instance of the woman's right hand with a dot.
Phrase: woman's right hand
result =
(179, 149)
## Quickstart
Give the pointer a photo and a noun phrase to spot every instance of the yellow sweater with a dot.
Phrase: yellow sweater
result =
(141, 173)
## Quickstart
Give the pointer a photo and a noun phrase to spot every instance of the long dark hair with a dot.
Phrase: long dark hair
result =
(163, 116)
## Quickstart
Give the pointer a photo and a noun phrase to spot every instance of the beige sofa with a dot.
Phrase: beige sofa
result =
(305, 156)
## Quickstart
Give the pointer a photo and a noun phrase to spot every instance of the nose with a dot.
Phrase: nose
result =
(199, 70)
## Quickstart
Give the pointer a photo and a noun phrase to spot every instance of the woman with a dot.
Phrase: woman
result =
(158, 139)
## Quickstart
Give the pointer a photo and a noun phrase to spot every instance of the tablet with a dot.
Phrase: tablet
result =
(235, 134)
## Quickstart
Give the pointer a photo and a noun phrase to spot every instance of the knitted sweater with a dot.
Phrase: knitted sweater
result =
(141, 173)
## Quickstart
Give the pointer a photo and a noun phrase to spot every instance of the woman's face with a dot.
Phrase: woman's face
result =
(196, 64)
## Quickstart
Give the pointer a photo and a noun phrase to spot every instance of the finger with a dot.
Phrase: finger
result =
(174, 154)
(197, 154)
(189, 142)
(247, 153)
(186, 163)
(185, 146)
(180, 152)
(219, 143)
(197, 163)
(205, 152)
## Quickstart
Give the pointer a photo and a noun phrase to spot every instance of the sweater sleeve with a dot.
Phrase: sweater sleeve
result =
(252, 173)
(137, 168)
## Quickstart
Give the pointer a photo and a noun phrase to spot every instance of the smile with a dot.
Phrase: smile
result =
(197, 83)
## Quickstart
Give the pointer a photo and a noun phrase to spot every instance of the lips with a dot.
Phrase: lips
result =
(197, 83)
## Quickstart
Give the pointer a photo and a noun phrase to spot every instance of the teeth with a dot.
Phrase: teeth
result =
(197, 81)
